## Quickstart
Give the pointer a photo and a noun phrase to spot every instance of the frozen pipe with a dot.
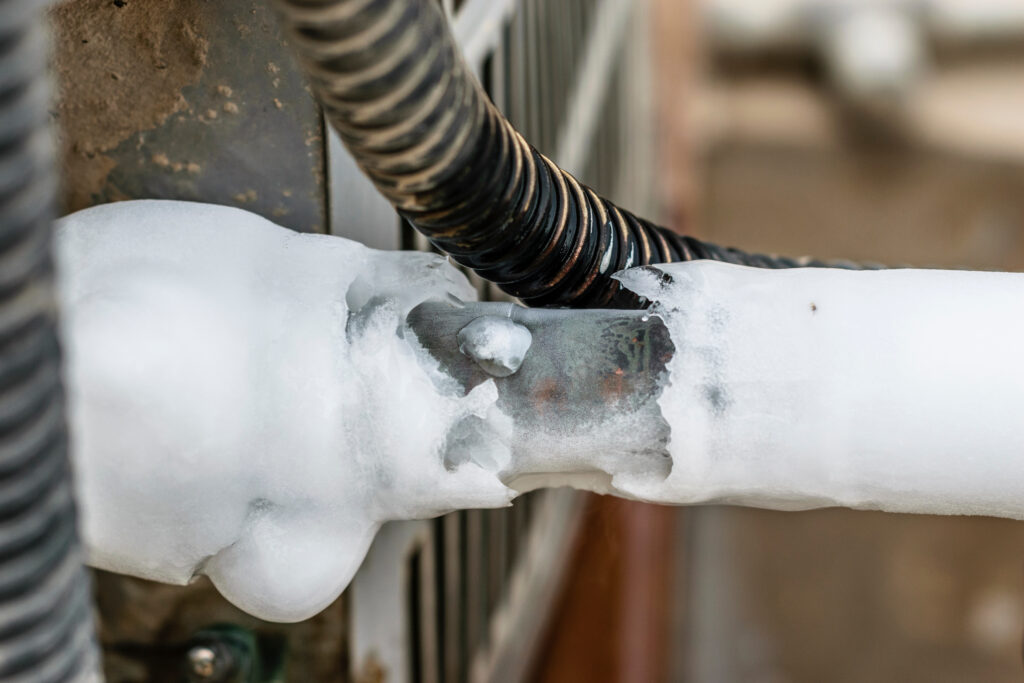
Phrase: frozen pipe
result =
(251, 404)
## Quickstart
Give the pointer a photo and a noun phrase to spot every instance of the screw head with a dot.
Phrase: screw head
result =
(203, 663)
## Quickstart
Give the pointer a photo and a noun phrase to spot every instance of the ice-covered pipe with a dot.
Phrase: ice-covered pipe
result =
(243, 404)
(899, 390)
(250, 403)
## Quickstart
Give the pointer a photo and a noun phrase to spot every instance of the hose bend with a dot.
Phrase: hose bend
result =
(393, 84)
(45, 614)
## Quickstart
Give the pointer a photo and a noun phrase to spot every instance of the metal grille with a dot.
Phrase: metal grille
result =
(465, 597)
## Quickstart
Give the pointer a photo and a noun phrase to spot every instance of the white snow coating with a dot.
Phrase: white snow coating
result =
(498, 345)
(900, 390)
(226, 423)
(247, 402)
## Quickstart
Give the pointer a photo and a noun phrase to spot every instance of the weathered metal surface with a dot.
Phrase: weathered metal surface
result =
(186, 99)
(583, 366)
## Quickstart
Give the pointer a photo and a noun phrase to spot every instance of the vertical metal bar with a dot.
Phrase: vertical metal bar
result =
(465, 581)
(497, 522)
(429, 646)
(452, 606)
(476, 573)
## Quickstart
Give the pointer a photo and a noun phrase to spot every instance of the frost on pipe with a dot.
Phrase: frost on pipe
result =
(242, 402)
(898, 390)
(250, 403)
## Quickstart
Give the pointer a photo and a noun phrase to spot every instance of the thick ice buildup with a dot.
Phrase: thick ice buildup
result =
(242, 404)
(901, 390)
(248, 403)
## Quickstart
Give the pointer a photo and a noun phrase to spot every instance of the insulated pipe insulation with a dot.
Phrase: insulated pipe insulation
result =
(45, 614)
(394, 85)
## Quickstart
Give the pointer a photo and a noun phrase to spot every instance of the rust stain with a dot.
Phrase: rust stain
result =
(614, 386)
(160, 159)
(120, 69)
(547, 392)
(372, 670)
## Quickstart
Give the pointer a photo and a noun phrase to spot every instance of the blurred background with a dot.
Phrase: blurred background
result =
(882, 131)
(889, 131)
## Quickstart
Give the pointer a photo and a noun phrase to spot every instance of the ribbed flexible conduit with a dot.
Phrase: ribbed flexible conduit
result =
(45, 615)
(393, 84)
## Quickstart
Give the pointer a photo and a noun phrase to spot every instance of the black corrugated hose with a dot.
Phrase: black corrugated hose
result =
(46, 629)
(393, 84)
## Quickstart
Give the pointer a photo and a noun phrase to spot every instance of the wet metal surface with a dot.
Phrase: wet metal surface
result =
(584, 369)
(604, 359)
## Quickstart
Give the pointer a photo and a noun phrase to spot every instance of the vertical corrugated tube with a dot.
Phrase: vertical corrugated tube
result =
(46, 631)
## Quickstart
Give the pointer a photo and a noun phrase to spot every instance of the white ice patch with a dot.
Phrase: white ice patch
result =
(901, 390)
(242, 404)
